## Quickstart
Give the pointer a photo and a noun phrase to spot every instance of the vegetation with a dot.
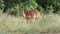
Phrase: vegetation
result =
(45, 6)
(49, 24)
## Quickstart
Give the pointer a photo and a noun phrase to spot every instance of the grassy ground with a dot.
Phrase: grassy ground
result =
(49, 24)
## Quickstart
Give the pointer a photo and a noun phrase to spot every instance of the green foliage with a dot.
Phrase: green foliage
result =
(46, 4)
(14, 10)
(14, 6)
(49, 9)
(29, 4)
(1, 6)
(9, 4)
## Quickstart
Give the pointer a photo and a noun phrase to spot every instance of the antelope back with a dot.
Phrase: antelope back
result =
(35, 13)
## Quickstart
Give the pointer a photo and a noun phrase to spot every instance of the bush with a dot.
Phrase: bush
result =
(1, 6)
(45, 6)
(14, 10)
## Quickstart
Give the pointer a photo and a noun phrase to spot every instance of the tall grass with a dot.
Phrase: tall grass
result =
(18, 25)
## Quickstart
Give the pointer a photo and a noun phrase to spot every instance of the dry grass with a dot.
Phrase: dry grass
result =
(50, 24)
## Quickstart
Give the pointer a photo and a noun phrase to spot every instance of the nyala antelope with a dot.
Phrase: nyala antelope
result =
(32, 14)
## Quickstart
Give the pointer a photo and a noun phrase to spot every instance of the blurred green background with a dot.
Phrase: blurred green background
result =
(14, 6)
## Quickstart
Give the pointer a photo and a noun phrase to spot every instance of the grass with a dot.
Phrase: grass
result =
(49, 24)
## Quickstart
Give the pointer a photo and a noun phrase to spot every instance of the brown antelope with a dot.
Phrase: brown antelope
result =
(35, 14)
(31, 14)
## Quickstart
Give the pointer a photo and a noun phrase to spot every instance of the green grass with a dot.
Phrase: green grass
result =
(49, 24)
